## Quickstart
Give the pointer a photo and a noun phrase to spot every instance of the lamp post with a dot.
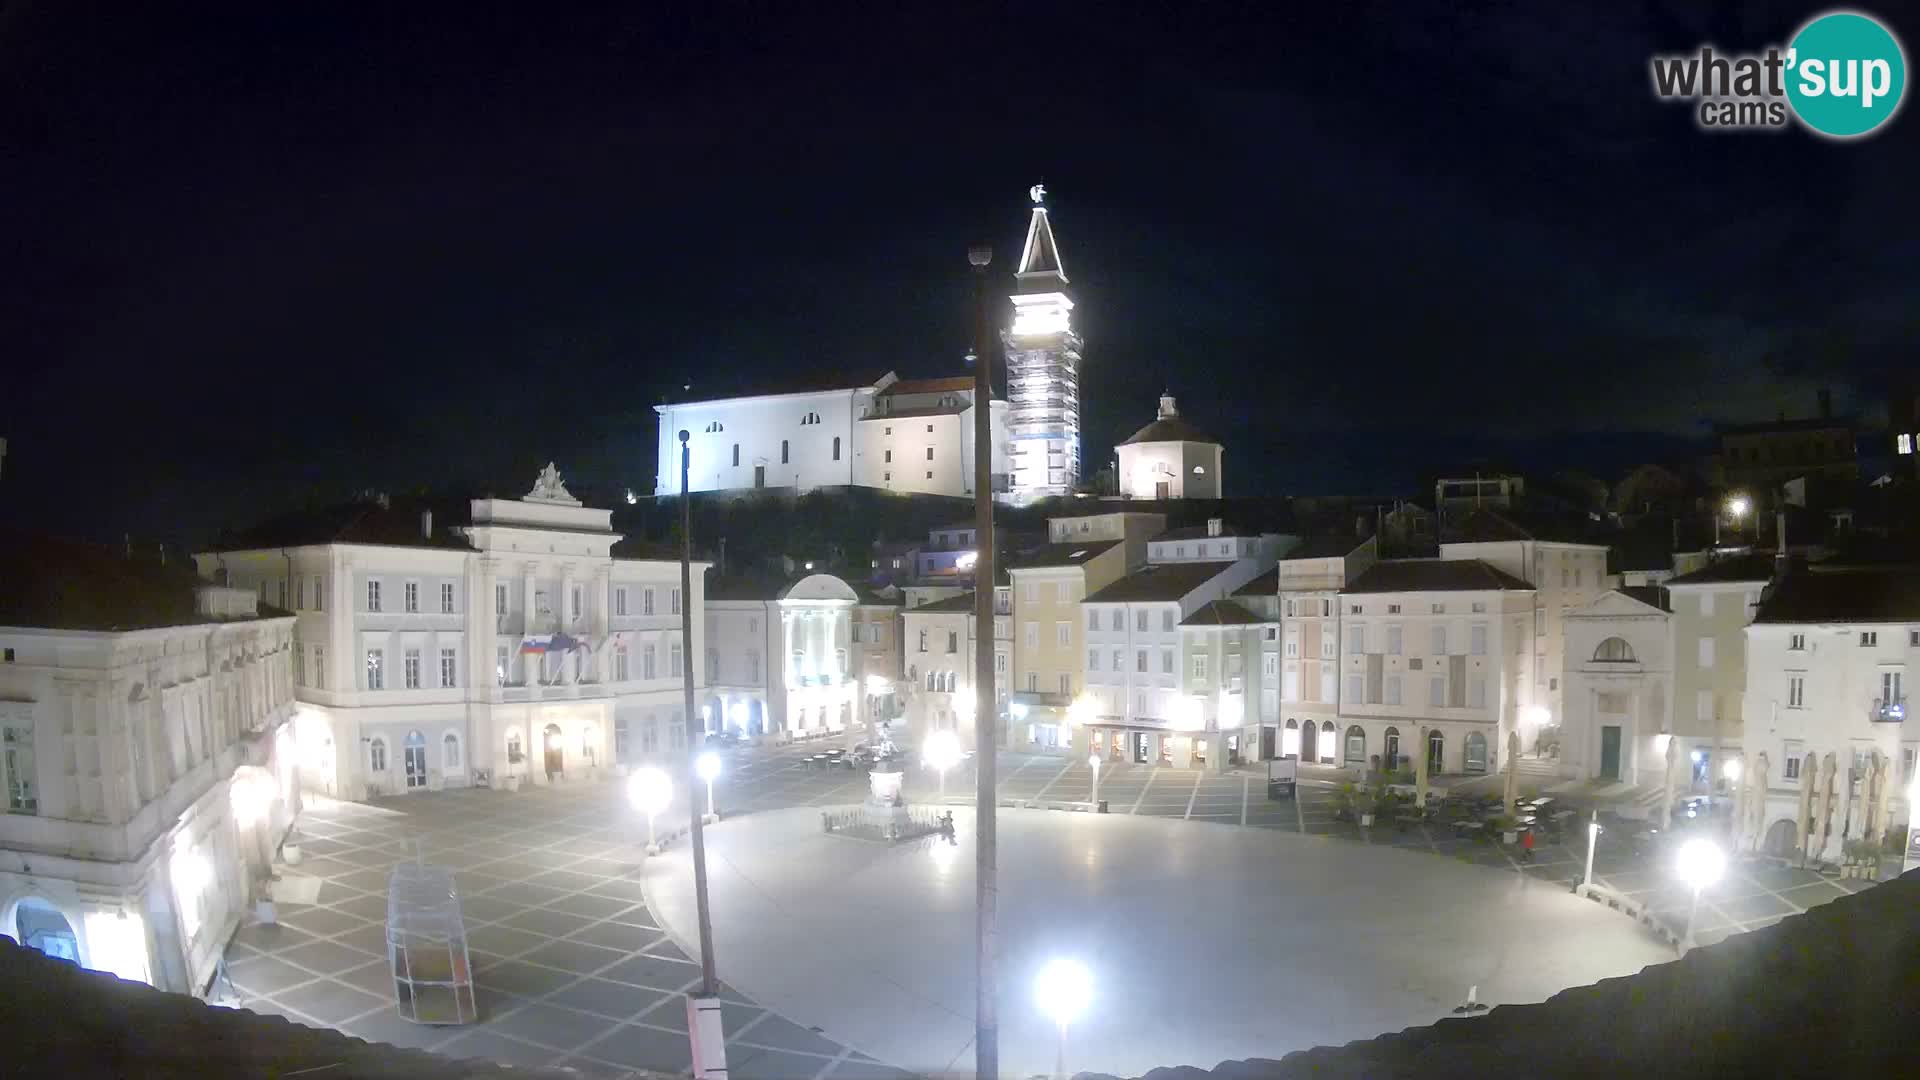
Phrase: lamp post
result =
(705, 1035)
(1063, 989)
(650, 790)
(1700, 864)
(1093, 762)
(1593, 835)
(708, 766)
(986, 974)
(942, 752)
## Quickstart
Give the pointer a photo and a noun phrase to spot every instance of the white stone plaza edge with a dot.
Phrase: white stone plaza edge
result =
(1205, 942)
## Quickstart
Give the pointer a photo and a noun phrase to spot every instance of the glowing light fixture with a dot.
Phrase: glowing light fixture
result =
(117, 944)
(650, 790)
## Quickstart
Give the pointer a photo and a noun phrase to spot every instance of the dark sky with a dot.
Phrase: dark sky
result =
(250, 257)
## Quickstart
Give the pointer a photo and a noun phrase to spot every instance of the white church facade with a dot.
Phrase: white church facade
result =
(1169, 459)
(913, 436)
(513, 647)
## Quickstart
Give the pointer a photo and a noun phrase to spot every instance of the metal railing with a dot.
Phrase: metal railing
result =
(1888, 710)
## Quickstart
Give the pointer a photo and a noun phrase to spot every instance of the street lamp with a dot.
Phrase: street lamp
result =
(941, 752)
(1093, 762)
(650, 790)
(1593, 836)
(1700, 864)
(707, 765)
(1063, 990)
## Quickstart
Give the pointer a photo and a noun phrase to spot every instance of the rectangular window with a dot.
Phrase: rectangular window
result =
(621, 669)
(1477, 691)
(1479, 607)
(1477, 638)
(1063, 633)
(1289, 609)
(1093, 659)
(620, 601)
(1166, 661)
(1093, 619)
(1890, 688)
(953, 642)
(1200, 667)
(1436, 691)
(16, 757)
(1393, 689)
(319, 593)
(376, 669)
(1140, 620)
(299, 667)
(650, 662)
(319, 667)
(1066, 684)
(646, 601)
(1140, 660)
(1269, 665)
(999, 663)
(1393, 641)
(446, 598)
(1439, 609)
(574, 602)
(1293, 646)
(1033, 682)
(923, 639)
(446, 667)
(1869, 639)
(373, 594)
(500, 601)
(500, 662)
(674, 596)
(1326, 609)
(888, 456)
(1166, 621)
(1791, 767)
(1439, 641)
(1119, 620)
(412, 592)
(1356, 689)
(1706, 652)
(1357, 640)
(1063, 592)
(675, 659)
(411, 672)
(1796, 691)
(1326, 685)
(1393, 609)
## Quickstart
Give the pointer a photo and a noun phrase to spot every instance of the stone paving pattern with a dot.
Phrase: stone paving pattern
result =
(571, 969)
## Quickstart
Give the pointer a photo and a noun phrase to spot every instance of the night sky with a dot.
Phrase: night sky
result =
(264, 257)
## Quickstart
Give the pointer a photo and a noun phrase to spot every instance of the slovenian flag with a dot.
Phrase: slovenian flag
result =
(546, 643)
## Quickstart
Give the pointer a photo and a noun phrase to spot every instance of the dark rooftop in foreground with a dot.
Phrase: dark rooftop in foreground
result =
(1823, 994)
(63, 1020)
(1199, 532)
(1221, 613)
(55, 584)
(1483, 525)
(962, 603)
(1159, 581)
(1267, 584)
(1070, 554)
(1843, 595)
(1651, 595)
(1433, 575)
(1335, 546)
(386, 521)
(1754, 566)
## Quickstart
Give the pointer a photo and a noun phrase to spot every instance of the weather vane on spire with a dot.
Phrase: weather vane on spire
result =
(1038, 192)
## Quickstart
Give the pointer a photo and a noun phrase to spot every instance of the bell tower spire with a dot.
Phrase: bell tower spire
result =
(1043, 367)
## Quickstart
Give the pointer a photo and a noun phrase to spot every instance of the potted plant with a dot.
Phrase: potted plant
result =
(1508, 828)
(290, 851)
(1364, 804)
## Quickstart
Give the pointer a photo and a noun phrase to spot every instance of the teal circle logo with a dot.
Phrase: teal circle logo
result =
(1846, 74)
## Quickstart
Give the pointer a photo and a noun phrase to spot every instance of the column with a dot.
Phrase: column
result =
(598, 600)
(529, 664)
(483, 632)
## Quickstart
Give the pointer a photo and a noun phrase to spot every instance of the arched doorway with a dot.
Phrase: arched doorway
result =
(1290, 740)
(556, 762)
(39, 925)
(1476, 758)
(1783, 839)
(1392, 758)
(1436, 751)
(1309, 741)
(1356, 748)
(1329, 742)
(414, 756)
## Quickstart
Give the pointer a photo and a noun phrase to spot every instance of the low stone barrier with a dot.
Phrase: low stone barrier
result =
(1630, 908)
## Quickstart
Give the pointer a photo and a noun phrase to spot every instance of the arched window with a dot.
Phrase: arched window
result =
(377, 755)
(836, 448)
(450, 751)
(1436, 750)
(1356, 744)
(1326, 744)
(1392, 759)
(1476, 756)
(1614, 650)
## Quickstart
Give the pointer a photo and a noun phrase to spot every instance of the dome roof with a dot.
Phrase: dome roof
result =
(1170, 429)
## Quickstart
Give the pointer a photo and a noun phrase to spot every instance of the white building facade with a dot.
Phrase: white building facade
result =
(149, 777)
(784, 657)
(515, 648)
(912, 436)
(1619, 688)
(1827, 704)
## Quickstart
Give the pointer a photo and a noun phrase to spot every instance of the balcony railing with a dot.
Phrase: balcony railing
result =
(1888, 710)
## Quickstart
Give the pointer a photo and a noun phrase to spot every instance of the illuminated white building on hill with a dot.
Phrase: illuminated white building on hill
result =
(1043, 368)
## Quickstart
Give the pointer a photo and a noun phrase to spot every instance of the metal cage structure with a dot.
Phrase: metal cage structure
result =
(427, 946)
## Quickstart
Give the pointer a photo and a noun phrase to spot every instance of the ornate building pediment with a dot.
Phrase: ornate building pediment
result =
(548, 488)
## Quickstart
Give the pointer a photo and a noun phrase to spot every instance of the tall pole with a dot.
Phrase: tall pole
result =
(709, 985)
(1593, 834)
(986, 1020)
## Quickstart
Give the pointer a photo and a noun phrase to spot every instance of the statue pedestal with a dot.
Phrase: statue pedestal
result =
(884, 805)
